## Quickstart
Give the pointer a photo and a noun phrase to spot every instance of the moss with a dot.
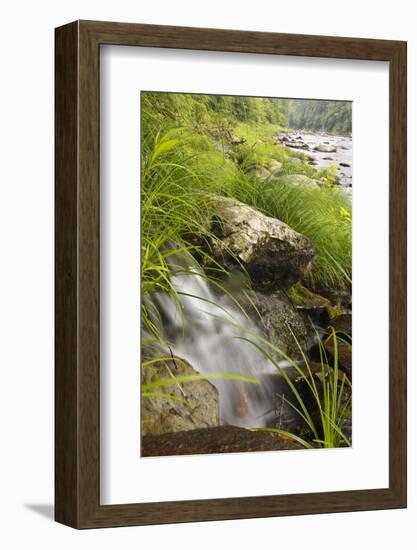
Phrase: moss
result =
(304, 298)
(335, 311)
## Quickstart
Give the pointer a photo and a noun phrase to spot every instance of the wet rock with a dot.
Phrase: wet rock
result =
(189, 406)
(304, 298)
(338, 297)
(324, 148)
(347, 428)
(273, 254)
(302, 380)
(344, 353)
(280, 321)
(313, 307)
(297, 145)
(223, 439)
(281, 138)
(343, 324)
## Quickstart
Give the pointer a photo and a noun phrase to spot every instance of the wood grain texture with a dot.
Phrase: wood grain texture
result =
(78, 286)
(66, 231)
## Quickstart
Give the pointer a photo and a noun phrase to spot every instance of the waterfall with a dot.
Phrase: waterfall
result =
(206, 330)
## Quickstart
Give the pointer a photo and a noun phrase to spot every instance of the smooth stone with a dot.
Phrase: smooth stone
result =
(323, 148)
(163, 414)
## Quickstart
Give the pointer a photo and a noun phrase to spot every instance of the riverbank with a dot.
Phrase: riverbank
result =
(246, 272)
(324, 150)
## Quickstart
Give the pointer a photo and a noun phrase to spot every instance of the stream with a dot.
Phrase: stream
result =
(339, 153)
(207, 332)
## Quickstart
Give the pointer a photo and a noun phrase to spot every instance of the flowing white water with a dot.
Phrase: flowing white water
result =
(206, 331)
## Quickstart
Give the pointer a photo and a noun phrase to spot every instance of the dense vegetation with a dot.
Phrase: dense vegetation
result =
(334, 117)
(195, 148)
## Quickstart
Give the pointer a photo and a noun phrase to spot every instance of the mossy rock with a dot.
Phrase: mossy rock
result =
(262, 173)
(304, 298)
(282, 324)
(335, 311)
(275, 167)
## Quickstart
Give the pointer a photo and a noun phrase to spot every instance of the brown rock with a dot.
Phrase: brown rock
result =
(189, 406)
(344, 354)
(223, 439)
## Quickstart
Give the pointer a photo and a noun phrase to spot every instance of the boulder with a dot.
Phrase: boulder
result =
(325, 148)
(297, 145)
(262, 173)
(223, 439)
(282, 138)
(282, 324)
(187, 406)
(303, 298)
(273, 254)
(275, 167)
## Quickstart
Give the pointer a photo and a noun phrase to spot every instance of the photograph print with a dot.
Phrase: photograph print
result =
(246, 274)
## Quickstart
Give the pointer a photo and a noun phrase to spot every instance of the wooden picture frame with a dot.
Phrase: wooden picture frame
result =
(77, 407)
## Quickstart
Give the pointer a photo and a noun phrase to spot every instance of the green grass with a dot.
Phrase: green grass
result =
(327, 389)
(179, 186)
(184, 169)
(324, 216)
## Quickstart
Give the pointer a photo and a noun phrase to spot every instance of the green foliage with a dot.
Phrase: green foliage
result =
(330, 390)
(163, 382)
(184, 166)
(334, 117)
(323, 215)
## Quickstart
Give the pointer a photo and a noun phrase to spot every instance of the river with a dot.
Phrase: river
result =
(339, 152)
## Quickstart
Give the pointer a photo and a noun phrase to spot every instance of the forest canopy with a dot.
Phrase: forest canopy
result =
(334, 117)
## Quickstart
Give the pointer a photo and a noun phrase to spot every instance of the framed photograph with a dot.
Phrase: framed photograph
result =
(230, 274)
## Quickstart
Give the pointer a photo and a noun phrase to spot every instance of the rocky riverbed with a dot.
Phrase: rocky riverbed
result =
(323, 150)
